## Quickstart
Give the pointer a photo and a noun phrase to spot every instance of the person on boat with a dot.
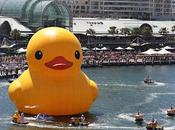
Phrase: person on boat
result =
(82, 118)
(72, 121)
(41, 116)
(16, 117)
(146, 79)
(22, 117)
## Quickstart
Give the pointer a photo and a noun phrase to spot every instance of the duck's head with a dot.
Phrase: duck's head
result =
(54, 51)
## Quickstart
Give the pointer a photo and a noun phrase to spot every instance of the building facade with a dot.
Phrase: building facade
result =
(173, 8)
(161, 9)
(140, 9)
(37, 13)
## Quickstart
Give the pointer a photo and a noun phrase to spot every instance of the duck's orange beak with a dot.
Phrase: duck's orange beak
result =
(59, 63)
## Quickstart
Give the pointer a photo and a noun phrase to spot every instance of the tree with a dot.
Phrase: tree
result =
(163, 31)
(135, 31)
(15, 34)
(146, 31)
(173, 28)
(125, 31)
(113, 30)
(90, 32)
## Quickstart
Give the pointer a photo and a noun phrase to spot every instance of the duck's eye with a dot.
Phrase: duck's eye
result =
(77, 54)
(38, 55)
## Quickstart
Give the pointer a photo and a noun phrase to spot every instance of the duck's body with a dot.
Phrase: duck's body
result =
(54, 91)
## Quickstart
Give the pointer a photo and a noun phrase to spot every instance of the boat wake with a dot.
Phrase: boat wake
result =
(153, 96)
(118, 85)
(126, 116)
(154, 84)
(159, 83)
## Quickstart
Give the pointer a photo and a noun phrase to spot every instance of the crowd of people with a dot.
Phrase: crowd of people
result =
(101, 58)
(12, 64)
(15, 64)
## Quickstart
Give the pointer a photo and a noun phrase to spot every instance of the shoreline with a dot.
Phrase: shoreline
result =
(128, 64)
(119, 64)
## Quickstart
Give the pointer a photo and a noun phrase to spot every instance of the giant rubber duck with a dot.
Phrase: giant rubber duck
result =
(54, 83)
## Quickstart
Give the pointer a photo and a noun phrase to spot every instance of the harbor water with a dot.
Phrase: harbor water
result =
(122, 93)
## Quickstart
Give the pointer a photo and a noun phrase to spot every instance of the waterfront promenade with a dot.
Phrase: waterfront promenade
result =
(12, 65)
(125, 58)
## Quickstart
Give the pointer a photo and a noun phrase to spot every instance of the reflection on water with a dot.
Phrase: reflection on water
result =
(122, 94)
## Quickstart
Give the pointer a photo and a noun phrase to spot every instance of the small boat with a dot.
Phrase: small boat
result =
(153, 125)
(78, 122)
(139, 117)
(148, 80)
(20, 123)
(171, 111)
(40, 117)
(11, 80)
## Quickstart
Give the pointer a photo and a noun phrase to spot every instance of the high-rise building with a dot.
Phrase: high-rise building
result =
(173, 8)
(161, 9)
(37, 13)
(141, 9)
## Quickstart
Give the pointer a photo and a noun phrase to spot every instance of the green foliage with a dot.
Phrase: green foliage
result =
(125, 31)
(90, 32)
(113, 30)
(146, 31)
(135, 31)
(173, 28)
(15, 34)
(163, 31)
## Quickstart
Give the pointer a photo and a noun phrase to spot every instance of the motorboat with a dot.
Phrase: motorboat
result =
(20, 123)
(153, 125)
(171, 111)
(11, 80)
(148, 80)
(78, 121)
(139, 117)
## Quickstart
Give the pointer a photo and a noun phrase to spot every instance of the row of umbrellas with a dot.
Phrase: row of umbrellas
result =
(104, 48)
(120, 48)
(152, 51)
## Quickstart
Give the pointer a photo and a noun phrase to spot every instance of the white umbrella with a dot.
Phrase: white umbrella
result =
(157, 49)
(150, 52)
(164, 51)
(168, 48)
(119, 48)
(96, 48)
(21, 50)
(134, 44)
(85, 48)
(129, 48)
(5, 46)
(104, 48)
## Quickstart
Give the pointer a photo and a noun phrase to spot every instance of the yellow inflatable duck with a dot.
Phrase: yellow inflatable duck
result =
(54, 83)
